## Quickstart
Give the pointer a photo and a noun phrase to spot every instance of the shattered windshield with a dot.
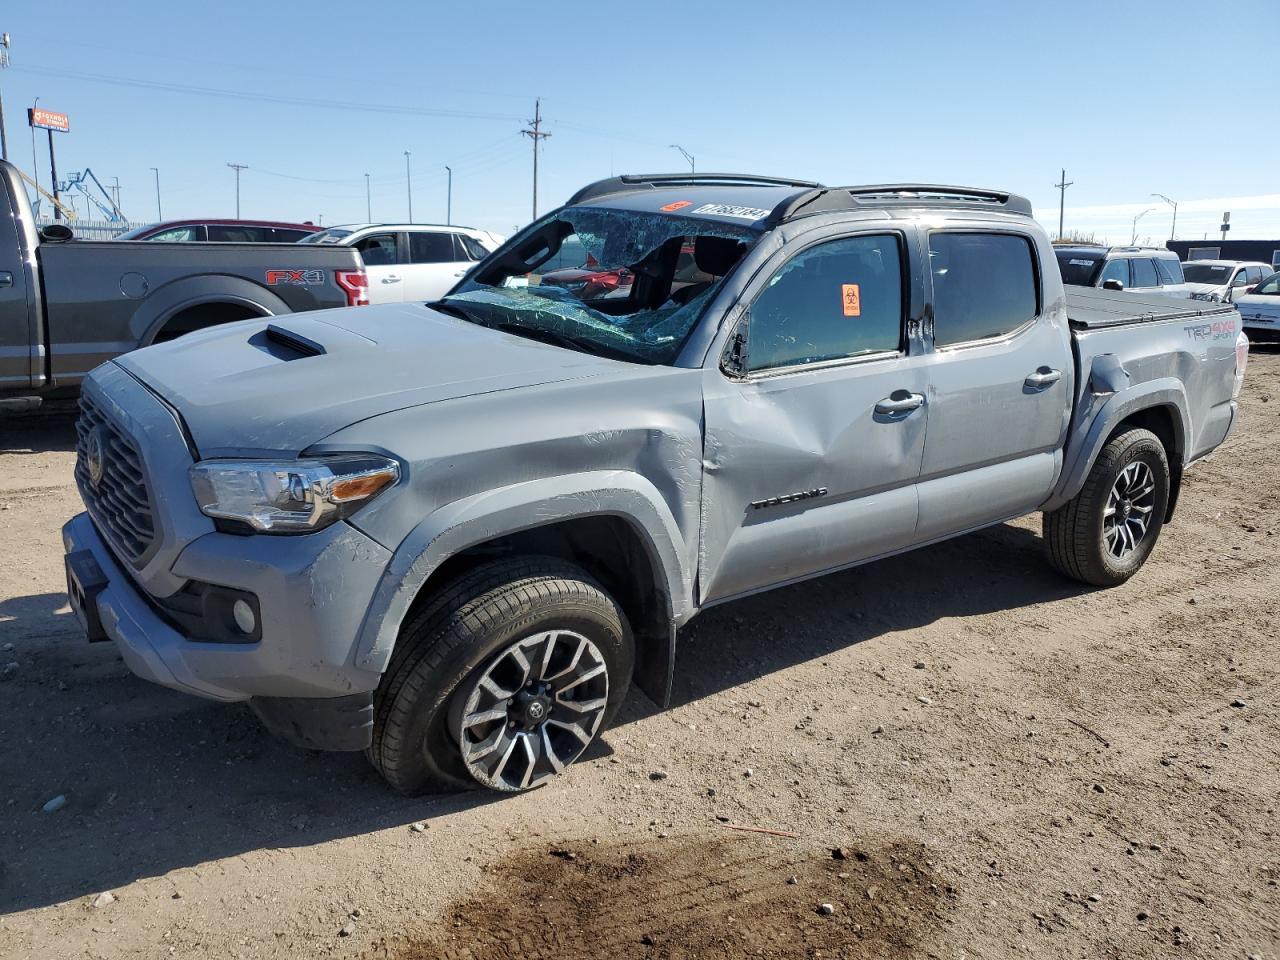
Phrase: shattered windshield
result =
(614, 282)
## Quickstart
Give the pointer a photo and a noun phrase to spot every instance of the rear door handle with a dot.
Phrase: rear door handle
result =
(391, 278)
(1043, 377)
(900, 401)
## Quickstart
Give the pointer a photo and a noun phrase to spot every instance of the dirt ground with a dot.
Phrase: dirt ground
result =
(1011, 764)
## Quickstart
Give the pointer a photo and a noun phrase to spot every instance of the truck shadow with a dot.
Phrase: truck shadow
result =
(158, 783)
(51, 432)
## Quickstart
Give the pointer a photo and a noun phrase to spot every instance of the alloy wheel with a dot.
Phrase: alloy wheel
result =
(533, 710)
(1127, 516)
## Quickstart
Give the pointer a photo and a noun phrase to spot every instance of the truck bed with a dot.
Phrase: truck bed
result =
(1089, 308)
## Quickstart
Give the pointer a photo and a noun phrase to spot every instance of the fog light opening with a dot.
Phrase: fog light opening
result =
(244, 617)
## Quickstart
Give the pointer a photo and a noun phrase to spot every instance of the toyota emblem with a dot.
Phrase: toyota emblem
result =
(94, 461)
(535, 711)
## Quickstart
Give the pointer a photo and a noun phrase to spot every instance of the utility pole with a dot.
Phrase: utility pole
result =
(368, 201)
(408, 183)
(687, 155)
(35, 167)
(448, 207)
(4, 62)
(237, 167)
(536, 133)
(156, 171)
(1173, 229)
(1062, 200)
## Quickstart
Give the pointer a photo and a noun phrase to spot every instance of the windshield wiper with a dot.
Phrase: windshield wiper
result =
(548, 336)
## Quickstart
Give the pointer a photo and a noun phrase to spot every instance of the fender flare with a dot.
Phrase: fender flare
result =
(1164, 392)
(168, 301)
(523, 506)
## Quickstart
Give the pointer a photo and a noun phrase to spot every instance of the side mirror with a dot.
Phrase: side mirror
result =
(1112, 284)
(56, 233)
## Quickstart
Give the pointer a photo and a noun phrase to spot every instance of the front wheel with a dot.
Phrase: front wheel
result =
(502, 681)
(1105, 534)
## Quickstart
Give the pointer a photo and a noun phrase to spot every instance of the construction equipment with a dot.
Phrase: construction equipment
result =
(80, 182)
(67, 212)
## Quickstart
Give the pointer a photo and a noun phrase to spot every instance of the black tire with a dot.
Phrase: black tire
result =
(1074, 533)
(455, 636)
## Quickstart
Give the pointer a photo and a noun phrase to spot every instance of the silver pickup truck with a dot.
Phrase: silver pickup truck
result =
(68, 305)
(452, 534)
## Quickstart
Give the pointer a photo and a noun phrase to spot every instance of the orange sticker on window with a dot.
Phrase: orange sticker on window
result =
(676, 205)
(852, 299)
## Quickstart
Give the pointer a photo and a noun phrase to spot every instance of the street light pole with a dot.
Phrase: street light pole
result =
(408, 183)
(687, 155)
(237, 167)
(156, 171)
(35, 167)
(368, 201)
(448, 208)
(1173, 229)
(4, 62)
(1134, 239)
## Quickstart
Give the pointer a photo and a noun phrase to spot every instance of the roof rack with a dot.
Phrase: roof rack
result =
(631, 181)
(899, 194)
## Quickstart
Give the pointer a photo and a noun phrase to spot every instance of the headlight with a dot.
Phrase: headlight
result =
(295, 496)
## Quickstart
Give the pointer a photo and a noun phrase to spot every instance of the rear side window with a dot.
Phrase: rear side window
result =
(984, 285)
(431, 248)
(285, 235)
(1170, 272)
(1144, 272)
(227, 234)
(838, 299)
(378, 250)
(176, 235)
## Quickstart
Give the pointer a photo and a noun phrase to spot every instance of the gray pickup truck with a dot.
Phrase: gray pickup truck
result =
(68, 305)
(452, 534)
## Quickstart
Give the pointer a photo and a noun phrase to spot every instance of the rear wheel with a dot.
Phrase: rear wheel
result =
(1105, 534)
(502, 681)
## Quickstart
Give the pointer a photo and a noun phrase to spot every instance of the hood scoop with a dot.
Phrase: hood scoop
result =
(286, 344)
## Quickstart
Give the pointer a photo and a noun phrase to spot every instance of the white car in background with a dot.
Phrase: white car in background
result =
(1223, 280)
(1260, 310)
(411, 261)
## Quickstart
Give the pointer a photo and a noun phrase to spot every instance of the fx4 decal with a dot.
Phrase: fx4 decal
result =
(294, 277)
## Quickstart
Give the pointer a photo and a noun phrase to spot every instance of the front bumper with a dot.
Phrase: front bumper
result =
(314, 591)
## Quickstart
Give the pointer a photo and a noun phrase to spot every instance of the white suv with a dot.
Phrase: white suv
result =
(411, 261)
(1224, 280)
(1139, 269)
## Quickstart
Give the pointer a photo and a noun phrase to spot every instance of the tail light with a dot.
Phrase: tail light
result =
(1242, 361)
(355, 284)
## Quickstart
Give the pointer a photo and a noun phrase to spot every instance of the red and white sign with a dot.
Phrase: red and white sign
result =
(48, 120)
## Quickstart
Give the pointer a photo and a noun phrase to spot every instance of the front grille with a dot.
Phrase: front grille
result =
(119, 500)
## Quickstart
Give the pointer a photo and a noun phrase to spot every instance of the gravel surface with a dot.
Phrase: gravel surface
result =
(1007, 763)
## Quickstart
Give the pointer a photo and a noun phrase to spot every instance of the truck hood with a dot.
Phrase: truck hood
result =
(278, 385)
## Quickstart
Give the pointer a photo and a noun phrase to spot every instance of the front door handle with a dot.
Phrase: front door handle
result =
(6, 278)
(1043, 377)
(391, 278)
(900, 401)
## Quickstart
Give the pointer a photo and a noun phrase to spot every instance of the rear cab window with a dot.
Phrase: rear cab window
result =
(985, 285)
(1078, 268)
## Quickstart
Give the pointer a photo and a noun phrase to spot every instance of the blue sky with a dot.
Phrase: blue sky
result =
(1130, 98)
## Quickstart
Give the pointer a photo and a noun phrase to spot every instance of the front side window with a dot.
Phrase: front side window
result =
(984, 285)
(1115, 270)
(470, 248)
(1144, 272)
(839, 299)
(431, 248)
(604, 281)
(176, 235)
(1269, 287)
(1170, 272)
(378, 250)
